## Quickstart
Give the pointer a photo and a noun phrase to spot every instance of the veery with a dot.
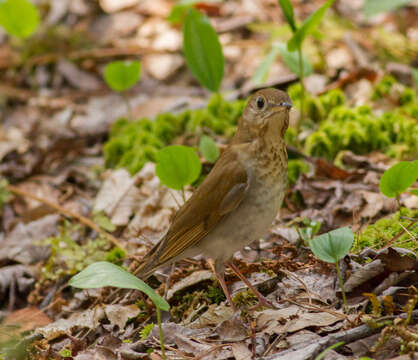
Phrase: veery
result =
(240, 197)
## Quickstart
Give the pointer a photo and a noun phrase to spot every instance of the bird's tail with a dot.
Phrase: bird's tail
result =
(150, 262)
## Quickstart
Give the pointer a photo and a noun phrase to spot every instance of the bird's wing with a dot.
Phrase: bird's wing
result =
(219, 194)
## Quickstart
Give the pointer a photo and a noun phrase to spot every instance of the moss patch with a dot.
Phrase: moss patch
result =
(384, 230)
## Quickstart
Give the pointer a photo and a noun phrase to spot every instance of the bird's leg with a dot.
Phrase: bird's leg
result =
(221, 278)
(261, 299)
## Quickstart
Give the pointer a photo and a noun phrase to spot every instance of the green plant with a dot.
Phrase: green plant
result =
(296, 168)
(203, 50)
(296, 41)
(4, 193)
(331, 247)
(328, 349)
(208, 148)
(121, 76)
(374, 7)
(178, 166)
(133, 143)
(309, 230)
(398, 178)
(101, 274)
(19, 17)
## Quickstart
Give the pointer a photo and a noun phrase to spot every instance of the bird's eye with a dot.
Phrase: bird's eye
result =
(260, 102)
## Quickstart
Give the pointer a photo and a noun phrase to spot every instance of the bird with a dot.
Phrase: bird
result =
(238, 200)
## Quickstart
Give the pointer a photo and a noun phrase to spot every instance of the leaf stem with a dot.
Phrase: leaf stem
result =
(160, 328)
(183, 195)
(128, 105)
(302, 94)
(340, 280)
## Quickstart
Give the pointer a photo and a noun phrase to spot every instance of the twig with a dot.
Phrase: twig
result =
(66, 212)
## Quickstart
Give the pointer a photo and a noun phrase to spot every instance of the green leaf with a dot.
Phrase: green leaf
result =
(177, 166)
(19, 17)
(308, 27)
(333, 245)
(208, 148)
(291, 59)
(102, 273)
(374, 7)
(121, 75)
(104, 222)
(414, 191)
(287, 9)
(261, 73)
(415, 75)
(398, 178)
(203, 50)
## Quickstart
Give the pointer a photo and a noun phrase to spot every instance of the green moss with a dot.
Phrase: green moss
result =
(206, 292)
(295, 169)
(4, 193)
(67, 256)
(244, 299)
(132, 144)
(384, 230)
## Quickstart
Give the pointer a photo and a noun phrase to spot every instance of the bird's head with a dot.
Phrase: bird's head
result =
(267, 111)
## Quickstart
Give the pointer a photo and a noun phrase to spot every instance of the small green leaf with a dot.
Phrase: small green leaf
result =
(19, 17)
(261, 73)
(291, 59)
(208, 148)
(121, 75)
(398, 178)
(102, 273)
(287, 9)
(203, 50)
(333, 245)
(104, 222)
(414, 191)
(177, 166)
(308, 27)
(374, 7)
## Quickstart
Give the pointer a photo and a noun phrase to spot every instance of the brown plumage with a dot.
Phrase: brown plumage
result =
(240, 197)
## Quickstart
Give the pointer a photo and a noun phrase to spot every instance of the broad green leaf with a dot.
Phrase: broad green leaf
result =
(203, 50)
(333, 245)
(121, 75)
(287, 9)
(177, 166)
(208, 148)
(307, 27)
(178, 11)
(291, 59)
(262, 71)
(102, 273)
(398, 178)
(19, 17)
(374, 7)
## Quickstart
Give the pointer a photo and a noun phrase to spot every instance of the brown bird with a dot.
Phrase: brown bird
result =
(239, 199)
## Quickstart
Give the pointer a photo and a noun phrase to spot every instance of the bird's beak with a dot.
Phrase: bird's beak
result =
(287, 105)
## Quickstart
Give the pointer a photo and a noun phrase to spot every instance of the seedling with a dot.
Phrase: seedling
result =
(331, 247)
(309, 231)
(178, 166)
(203, 50)
(19, 18)
(102, 273)
(208, 148)
(398, 179)
(121, 76)
(296, 41)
